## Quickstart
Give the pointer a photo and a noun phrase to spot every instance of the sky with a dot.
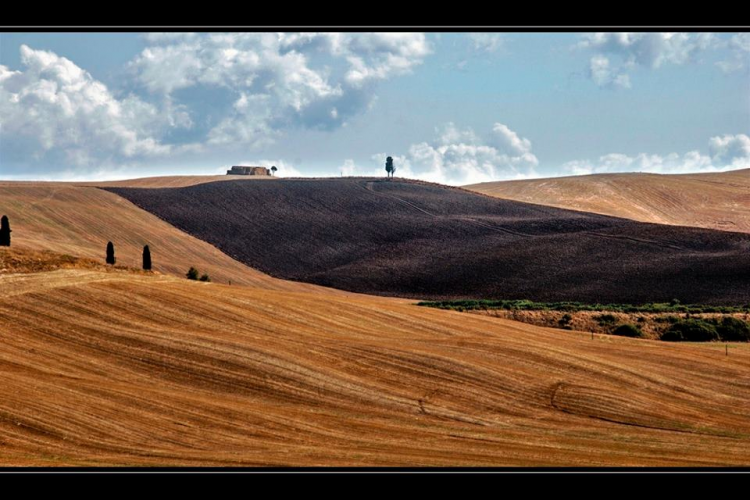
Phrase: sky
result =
(455, 108)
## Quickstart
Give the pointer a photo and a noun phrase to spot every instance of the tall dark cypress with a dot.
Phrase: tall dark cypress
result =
(4, 232)
(146, 258)
(110, 253)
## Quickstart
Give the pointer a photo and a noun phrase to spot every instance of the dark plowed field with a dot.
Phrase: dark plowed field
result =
(427, 241)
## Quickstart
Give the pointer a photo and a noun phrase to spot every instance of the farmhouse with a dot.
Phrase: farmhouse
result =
(242, 170)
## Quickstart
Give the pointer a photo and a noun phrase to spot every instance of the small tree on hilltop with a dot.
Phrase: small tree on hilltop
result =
(4, 232)
(110, 254)
(146, 258)
(389, 168)
(192, 274)
(273, 170)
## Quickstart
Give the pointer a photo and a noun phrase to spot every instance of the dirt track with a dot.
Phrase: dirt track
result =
(124, 369)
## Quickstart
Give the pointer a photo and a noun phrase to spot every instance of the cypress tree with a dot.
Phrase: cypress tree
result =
(146, 258)
(110, 253)
(4, 232)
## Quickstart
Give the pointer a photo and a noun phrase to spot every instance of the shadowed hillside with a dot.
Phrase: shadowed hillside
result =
(79, 221)
(715, 200)
(423, 240)
(126, 369)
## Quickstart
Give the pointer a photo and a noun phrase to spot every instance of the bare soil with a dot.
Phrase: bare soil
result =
(421, 240)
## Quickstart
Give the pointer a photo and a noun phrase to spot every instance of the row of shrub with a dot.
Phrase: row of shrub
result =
(727, 329)
(193, 274)
(527, 305)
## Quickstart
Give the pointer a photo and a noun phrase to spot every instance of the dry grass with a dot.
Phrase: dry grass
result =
(126, 369)
(714, 201)
(651, 324)
(176, 181)
(17, 261)
(76, 220)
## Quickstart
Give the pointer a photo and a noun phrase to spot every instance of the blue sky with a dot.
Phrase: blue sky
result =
(449, 107)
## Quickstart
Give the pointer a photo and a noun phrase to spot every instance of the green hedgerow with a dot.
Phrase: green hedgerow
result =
(691, 330)
(628, 330)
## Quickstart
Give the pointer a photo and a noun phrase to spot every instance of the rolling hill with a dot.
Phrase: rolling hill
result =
(79, 220)
(414, 239)
(124, 368)
(713, 200)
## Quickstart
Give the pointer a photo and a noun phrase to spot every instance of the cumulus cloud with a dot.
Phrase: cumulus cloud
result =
(728, 152)
(647, 50)
(487, 42)
(604, 76)
(731, 150)
(54, 110)
(739, 59)
(459, 156)
(311, 80)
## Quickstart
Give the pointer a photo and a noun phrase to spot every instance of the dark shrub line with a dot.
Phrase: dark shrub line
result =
(528, 305)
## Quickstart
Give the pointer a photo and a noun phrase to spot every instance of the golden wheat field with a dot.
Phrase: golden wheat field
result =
(124, 368)
(79, 220)
(712, 200)
(113, 366)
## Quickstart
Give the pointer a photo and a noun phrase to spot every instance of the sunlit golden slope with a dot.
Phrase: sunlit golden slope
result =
(78, 220)
(176, 181)
(128, 369)
(715, 200)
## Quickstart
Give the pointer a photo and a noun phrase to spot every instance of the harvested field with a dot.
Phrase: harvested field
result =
(712, 200)
(78, 221)
(413, 239)
(125, 369)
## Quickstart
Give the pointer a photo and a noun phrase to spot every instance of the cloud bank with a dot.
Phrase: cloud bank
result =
(278, 80)
(645, 50)
(54, 110)
(56, 115)
(727, 152)
(459, 156)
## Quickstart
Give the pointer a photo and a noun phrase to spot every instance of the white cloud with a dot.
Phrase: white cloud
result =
(604, 76)
(728, 152)
(647, 50)
(460, 156)
(312, 80)
(739, 46)
(487, 42)
(731, 150)
(349, 168)
(54, 110)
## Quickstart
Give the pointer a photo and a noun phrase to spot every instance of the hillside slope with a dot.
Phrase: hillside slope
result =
(171, 181)
(79, 221)
(714, 200)
(125, 369)
(413, 239)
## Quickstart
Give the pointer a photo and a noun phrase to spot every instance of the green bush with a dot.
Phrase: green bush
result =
(606, 319)
(628, 330)
(733, 329)
(565, 319)
(205, 278)
(192, 274)
(691, 330)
